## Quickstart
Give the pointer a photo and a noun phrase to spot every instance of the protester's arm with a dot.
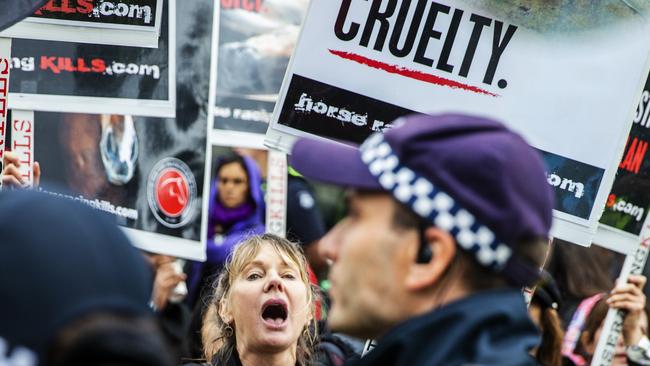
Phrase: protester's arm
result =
(11, 175)
(629, 297)
(166, 280)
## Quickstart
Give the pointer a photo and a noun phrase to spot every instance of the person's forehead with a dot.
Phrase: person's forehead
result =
(268, 255)
(365, 197)
(232, 168)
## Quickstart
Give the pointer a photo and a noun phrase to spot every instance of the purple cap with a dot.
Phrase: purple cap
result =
(468, 175)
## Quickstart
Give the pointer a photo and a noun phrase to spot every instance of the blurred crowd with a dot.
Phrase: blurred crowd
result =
(426, 248)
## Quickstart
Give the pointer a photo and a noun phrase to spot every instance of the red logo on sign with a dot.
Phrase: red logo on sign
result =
(172, 192)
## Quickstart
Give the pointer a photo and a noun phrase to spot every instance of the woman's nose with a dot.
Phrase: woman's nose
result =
(328, 246)
(274, 283)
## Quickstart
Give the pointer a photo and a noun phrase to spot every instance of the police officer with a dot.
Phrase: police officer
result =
(448, 218)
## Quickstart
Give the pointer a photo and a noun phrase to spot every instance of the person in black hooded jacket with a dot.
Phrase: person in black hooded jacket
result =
(75, 292)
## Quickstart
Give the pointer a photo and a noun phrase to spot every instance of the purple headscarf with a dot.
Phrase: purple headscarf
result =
(239, 223)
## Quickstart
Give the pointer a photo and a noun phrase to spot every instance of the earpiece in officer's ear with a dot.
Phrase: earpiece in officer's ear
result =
(425, 254)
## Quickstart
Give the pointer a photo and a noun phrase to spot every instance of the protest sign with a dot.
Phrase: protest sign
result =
(85, 78)
(148, 172)
(613, 324)
(276, 194)
(629, 200)
(255, 42)
(236, 182)
(22, 143)
(273, 168)
(119, 22)
(5, 61)
(569, 88)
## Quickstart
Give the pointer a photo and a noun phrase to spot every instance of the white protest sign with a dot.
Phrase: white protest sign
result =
(256, 39)
(5, 62)
(114, 22)
(148, 173)
(22, 143)
(361, 64)
(276, 196)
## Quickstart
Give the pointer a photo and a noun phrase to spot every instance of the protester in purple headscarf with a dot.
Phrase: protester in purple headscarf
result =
(236, 211)
(236, 205)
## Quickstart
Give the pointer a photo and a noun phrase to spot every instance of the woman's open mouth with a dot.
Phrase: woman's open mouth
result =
(275, 313)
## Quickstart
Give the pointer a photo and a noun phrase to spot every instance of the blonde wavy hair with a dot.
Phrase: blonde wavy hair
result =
(219, 343)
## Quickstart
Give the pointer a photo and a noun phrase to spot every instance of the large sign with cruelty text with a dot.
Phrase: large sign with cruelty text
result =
(568, 86)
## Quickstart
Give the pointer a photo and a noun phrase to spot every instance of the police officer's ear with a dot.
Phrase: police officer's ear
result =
(432, 256)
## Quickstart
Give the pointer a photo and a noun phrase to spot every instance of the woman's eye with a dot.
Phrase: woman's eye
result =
(289, 276)
(254, 276)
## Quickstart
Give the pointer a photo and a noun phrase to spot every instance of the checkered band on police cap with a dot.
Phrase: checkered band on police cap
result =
(433, 204)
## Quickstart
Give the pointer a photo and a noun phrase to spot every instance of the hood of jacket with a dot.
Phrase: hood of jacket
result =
(60, 261)
(254, 192)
